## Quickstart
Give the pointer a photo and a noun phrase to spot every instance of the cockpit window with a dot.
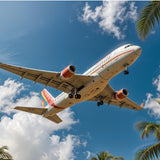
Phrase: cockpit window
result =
(128, 45)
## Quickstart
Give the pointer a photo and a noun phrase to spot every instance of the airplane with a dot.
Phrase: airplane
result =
(92, 85)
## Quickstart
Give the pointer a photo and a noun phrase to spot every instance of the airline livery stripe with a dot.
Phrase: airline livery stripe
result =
(58, 107)
(44, 96)
(110, 61)
(43, 103)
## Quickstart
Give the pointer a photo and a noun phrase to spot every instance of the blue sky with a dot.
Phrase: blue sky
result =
(52, 35)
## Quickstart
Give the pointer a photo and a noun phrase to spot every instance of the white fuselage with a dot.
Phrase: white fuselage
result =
(102, 71)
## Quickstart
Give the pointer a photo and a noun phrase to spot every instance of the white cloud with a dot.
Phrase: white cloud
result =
(150, 103)
(110, 16)
(156, 82)
(88, 154)
(8, 91)
(152, 106)
(30, 136)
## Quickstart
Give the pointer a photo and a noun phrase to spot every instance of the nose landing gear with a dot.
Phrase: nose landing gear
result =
(126, 71)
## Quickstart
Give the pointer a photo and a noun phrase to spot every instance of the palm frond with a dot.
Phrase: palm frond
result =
(147, 18)
(148, 128)
(4, 154)
(94, 158)
(103, 156)
(157, 133)
(109, 156)
(118, 158)
(141, 125)
(4, 147)
(149, 153)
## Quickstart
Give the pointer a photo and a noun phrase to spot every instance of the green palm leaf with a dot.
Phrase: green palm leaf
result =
(147, 18)
(93, 158)
(148, 128)
(106, 156)
(4, 154)
(117, 158)
(149, 153)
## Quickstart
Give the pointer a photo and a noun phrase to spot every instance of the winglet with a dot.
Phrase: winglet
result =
(142, 105)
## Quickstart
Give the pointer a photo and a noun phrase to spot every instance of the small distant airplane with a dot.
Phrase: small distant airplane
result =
(89, 86)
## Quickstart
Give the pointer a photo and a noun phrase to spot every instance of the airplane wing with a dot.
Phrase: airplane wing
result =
(38, 111)
(49, 78)
(54, 118)
(107, 96)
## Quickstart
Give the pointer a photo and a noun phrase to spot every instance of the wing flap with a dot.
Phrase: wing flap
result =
(48, 78)
(33, 110)
(54, 118)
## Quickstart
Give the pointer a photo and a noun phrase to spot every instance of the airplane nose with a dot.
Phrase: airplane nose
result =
(138, 50)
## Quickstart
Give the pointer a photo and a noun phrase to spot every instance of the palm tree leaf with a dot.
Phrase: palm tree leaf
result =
(103, 156)
(93, 158)
(116, 158)
(4, 154)
(148, 128)
(147, 18)
(109, 156)
(149, 153)
(4, 147)
(141, 125)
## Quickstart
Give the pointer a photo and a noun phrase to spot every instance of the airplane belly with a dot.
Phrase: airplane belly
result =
(92, 89)
(116, 66)
(64, 101)
(110, 70)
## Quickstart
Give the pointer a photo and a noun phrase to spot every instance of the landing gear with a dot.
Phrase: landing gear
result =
(100, 103)
(70, 95)
(126, 71)
(75, 94)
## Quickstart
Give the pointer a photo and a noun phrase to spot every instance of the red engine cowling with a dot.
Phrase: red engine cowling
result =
(121, 94)
(68, 72)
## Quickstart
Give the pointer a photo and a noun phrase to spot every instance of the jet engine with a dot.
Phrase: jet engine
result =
(68, 72)
(121, 94)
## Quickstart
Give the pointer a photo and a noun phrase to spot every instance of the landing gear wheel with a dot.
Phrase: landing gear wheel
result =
(70, 95)
(100, 103)
(77, 96)
(126, 72)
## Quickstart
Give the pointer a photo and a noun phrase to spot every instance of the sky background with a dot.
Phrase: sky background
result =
(53, 35)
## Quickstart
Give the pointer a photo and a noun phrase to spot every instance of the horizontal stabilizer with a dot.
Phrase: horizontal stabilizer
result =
(34, 110)
(54, 118)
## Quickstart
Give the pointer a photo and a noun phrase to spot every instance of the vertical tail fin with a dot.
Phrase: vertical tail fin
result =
(47, 98)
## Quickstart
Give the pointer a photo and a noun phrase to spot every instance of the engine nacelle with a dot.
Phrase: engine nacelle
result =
(68, 72)
(121, 94)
